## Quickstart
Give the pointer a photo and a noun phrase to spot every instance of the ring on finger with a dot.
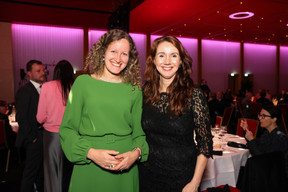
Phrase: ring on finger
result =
(111, 165)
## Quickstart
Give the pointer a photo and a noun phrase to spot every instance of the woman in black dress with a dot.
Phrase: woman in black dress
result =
(173, 111)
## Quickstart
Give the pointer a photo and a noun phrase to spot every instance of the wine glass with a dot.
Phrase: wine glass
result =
(223, 130)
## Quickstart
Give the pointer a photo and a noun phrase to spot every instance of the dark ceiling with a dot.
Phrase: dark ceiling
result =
(205, 19)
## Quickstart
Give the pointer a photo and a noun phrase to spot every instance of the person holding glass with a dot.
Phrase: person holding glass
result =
(173, 108)
(101, 131)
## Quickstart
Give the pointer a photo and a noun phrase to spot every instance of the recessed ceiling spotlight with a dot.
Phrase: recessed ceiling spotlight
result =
(241, 15)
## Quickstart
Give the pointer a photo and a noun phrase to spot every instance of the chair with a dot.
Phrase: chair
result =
(219, 120)
(227, 115)
(284, 110)
(265, 173)
(4, 143)
(252, 125)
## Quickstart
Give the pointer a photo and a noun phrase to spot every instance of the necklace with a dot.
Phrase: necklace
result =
(111, 81)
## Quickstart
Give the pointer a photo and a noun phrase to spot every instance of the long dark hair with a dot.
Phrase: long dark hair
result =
(65, 74)
(180, 90)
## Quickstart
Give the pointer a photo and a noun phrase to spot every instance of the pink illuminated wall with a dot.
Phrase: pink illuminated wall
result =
(47, 44)
(219, 59)
(190, 45)
(260, 60)
(140, 42)
(94, 35)
(283, 68)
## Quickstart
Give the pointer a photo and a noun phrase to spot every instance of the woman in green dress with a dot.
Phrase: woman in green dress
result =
(101, 129)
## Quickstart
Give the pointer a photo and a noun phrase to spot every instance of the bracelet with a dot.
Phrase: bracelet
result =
(140, 151)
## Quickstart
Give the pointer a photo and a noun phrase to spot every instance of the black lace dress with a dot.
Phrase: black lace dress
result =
(172, 150)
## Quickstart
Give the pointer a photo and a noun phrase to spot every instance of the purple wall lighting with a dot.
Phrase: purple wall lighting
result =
(283, 68)
(260, 60)
(219, 59)
(47, 44)
(140, 43)
(94, 35)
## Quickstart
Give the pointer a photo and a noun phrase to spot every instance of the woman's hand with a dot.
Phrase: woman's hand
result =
(126, 160)
(249, 135)
(104, 158)
(244, 125)
(191, 187)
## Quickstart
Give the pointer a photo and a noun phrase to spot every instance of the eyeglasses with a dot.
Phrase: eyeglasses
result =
(262, 116)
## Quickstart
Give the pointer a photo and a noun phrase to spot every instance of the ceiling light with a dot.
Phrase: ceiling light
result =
(241, 15)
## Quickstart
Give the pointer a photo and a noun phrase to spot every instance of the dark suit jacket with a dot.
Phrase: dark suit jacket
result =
(27, 98)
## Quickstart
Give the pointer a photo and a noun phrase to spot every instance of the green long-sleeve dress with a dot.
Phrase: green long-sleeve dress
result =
(102, 115)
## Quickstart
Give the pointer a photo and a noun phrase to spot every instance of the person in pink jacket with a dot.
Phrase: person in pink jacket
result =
(51, 107)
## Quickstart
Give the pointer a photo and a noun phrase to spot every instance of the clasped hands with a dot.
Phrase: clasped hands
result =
(112, 160)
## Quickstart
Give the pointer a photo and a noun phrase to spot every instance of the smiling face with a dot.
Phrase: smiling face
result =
(116, 58)
(167, 61)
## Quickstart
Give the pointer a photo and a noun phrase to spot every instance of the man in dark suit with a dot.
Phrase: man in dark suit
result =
(29, 136)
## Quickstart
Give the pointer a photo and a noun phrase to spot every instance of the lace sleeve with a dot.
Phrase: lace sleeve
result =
(201, 117)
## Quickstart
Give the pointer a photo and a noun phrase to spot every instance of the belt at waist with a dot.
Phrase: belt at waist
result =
(109, 138)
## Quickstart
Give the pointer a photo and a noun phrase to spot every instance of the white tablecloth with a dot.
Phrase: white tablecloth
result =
(225, 169)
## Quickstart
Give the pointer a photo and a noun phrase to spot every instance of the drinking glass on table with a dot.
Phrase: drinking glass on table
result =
(217, 131)
(223, 130)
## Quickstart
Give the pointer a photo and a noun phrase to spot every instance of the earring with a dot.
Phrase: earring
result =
(103, 59)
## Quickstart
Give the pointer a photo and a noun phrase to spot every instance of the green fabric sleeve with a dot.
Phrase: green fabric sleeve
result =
(139, 138)
(74, 146)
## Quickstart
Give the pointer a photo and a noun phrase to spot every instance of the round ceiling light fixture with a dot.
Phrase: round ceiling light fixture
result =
(241, 15)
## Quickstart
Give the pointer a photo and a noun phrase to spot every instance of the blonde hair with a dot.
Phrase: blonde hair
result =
(95, 59)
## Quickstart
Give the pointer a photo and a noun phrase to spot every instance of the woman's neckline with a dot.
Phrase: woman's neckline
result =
(101, 79)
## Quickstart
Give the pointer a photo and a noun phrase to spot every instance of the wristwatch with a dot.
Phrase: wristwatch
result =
(140, 151)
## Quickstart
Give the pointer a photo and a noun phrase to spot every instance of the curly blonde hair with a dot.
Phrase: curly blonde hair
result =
(95, 59)
(180, 90)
